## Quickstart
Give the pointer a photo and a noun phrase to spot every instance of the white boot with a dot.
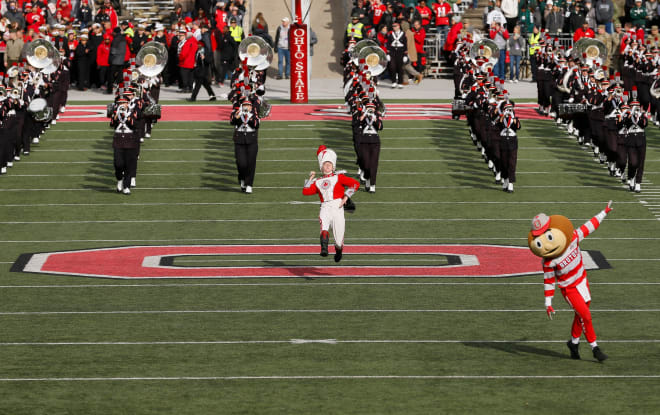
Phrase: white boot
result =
(372, 189)
(248, 189)
(638, 188)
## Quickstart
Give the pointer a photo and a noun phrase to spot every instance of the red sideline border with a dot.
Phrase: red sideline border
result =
(285, 112)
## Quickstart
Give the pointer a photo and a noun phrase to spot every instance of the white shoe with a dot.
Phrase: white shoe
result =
(62, 110)
(394, 85)
(510, 188)
(10, 164)
(35, 140)
(126, 191)
(3, 170)
(132, 181)
(498, 177)
(147, 135)
(17, 158)
(617, 173)
(638, 188)
(490, 164)
(142, 140)
(631, 184)
(515, 81)
(248, 189)
(372, 189)
(54, 122)
(505, 184)
(400, 86)
(552, 114)
(120, 185)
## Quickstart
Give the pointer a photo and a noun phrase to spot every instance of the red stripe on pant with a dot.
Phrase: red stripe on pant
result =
(582, 320)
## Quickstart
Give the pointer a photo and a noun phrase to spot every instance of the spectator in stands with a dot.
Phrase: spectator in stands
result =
(651, 13)
(628, 6)
(205, 5)
(525, 20)
(452, 36)
(617, 40)
(381, 37)
(575, 19)
(236, 13)
(638, 14)
(84, 14)
(442, 11)
(177, 14)
(228, 53)
(82, 57)
(510, 11)
(590, 14)
(103, 61)
(653, 38)
(495, 15)
(378, 10)
(354, 30)
(584, 31)
(236, 30)
(117, 57)
(500, 36)
(187, 60)
(418, 59)
(605, 14)
(534, 47)
(15, 15)
(516, 46)
(14, 48)
(606, 38)
(260, 28)
(425, 14)
(283, 53)
(554, 18)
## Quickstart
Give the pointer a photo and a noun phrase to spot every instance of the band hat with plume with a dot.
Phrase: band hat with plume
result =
(325, 154)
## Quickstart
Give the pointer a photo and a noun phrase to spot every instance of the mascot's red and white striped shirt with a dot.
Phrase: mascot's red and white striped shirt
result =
(568, 269)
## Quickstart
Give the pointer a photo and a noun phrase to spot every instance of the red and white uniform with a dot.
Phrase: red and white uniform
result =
(568, 271)
(331, 189)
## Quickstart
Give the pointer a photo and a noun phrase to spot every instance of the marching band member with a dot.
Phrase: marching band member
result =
(246, 122)
(334, 190)
(125, 144)
(369, 144)
(634, 121)
(509, 124)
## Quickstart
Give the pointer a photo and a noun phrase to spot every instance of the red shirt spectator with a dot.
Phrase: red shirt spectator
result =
(419, 35)
(442, 11)
(378, 11)
(103, 52)
(382, 39)
(424, 12)
(220, 19)
(65, 7)
(34, 19)
(187, 54)
(452, 36)
(584, 31)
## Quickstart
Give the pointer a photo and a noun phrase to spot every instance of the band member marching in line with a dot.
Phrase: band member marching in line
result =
(369, 144)
(334, 190)
(246, 122)
(633, 121)
(125, 143)
(509, 124)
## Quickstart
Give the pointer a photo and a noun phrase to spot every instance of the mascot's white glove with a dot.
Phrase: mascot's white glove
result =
(405, 59)
(389, 58)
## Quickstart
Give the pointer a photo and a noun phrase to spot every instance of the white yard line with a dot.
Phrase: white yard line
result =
(311, 311)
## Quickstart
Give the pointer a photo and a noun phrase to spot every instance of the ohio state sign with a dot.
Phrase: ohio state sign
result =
(298, 49)
(136, 262)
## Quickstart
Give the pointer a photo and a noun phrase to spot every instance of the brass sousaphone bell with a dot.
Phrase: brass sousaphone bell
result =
(357, 49)
(151, 59)
(375, 59)
(593, 49)
(485, 48)
(43, 55)
(258, 53)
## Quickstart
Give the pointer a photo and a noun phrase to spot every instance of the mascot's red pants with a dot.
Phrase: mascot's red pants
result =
(579, 299)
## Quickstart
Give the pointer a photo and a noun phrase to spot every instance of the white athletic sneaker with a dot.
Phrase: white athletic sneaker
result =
(3, 170)
(10, 164)
(400, 86)
(62, 110)
(394, 85)
(120, 185)
(248, 189)
(35, 140)
(17, 158)
(510, 188)
(498, 177)
(132, 181)
(54, 122)
(372, 189)
(126, 191)
(638, 188)
(147, 135)
(490, 164)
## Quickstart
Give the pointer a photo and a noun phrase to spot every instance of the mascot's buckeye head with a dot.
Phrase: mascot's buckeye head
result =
(550, 235)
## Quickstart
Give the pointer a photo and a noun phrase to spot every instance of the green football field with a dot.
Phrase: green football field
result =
(314, 345)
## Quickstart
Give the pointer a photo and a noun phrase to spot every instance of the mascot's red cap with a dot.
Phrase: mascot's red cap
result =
(540, 224)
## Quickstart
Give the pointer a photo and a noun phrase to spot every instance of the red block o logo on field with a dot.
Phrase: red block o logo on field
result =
(157, 262)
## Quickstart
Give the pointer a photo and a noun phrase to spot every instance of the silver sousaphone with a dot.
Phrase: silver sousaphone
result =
(150, 62)
(589, 51)
(43, 55)
(259, 56)
(485, 48)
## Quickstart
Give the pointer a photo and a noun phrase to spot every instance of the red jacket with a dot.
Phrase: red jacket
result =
(579, 34)
(378, 14)
(34, 20)
(442, 12)
(103, 55)
(452, 36)
(220, 19)
(419, 39)
(187, 55)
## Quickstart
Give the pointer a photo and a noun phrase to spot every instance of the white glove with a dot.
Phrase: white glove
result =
(405, 59)
(389, 58)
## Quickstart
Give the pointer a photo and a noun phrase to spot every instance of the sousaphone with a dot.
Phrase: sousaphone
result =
(356, 52)
(42, 54)
(151, 59)
(375, 59)
(485, 48)
(589, 51)
(256, 51)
